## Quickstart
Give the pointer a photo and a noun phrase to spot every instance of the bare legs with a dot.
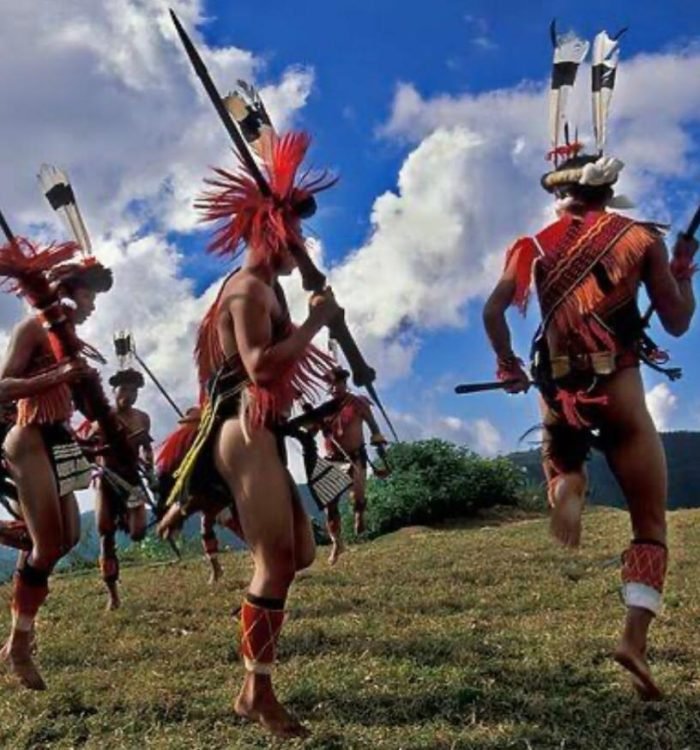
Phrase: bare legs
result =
(211, 546)
(53, 524)
(636, 457)
(107, 529)
(359, 485)
(281, 542)
(566, 491)
(334, 526)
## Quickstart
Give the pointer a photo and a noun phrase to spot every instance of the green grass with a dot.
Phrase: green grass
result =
(477, 637)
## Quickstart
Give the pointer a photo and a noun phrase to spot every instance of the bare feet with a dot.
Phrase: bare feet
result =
(113, 600)
(636, 664)
(17, 656)
(568, 500)
(216, 570)
(359, 523)
(336, 551)
(260, 705)
(171, 522)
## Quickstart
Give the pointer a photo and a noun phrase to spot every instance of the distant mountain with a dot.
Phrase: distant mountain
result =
(683, 458)
(87, 550)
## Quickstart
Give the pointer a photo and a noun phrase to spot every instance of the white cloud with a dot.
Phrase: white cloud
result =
(662, 404)
(103, 89)
(469, 187)
(480, 435)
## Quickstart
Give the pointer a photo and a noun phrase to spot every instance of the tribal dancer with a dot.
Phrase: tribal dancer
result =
(116, 507)
(40, 452)
(344, 437)
(253, 362)
(216, 506)
(588, 267)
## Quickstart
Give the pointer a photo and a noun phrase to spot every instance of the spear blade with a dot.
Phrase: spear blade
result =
(203, 74)
(6, 229)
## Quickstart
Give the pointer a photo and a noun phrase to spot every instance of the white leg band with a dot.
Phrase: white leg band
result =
(254, 666)
(640, 595)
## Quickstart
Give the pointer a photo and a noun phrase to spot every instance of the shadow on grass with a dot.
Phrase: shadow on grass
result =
(551, 708)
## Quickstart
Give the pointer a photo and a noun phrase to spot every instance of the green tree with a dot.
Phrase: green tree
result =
(434, 480)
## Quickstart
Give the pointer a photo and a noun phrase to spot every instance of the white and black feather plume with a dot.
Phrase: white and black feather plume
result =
(606, 54)
(60, 195)
(569, 52)
(247, 109)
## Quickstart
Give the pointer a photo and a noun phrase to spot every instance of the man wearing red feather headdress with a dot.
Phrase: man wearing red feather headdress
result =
(588, 267)
(40, 451)
(252, 364)
(117, 507)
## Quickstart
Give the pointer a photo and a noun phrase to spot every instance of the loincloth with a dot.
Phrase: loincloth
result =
(71, 469)
(197, 480)
(570, 432)
(120, 499)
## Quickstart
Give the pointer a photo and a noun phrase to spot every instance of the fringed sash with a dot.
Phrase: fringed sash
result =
(570, 292)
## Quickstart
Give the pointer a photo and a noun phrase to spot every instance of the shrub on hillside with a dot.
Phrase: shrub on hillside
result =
(432, 481)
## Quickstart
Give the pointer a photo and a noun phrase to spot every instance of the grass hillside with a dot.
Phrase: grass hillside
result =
(477, 637)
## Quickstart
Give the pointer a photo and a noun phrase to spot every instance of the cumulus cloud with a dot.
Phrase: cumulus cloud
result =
(105, 91)
(480, 435)
(662, 404)
(469, 187)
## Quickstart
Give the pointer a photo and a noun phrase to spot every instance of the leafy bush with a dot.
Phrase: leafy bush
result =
(433, 480)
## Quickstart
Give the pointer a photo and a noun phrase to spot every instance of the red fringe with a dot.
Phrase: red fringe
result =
(82, 431)
(573, 316)
(522, 255)
(21, 259)
(302, 380)
(173, 449)
(266, 224)
(352, 406)
(565, 151)
(570, 403)
(208, 354)
(54, 405)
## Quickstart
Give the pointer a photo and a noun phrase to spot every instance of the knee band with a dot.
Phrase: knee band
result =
(644, 565)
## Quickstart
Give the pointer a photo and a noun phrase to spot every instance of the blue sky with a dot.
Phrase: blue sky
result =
(434, 115)
(359, 52)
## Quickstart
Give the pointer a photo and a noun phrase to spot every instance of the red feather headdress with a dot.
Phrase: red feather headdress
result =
(266, 224)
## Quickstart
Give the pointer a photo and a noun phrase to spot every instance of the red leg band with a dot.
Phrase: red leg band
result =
(109, 567)
(260, 629)
(27, 597)
(210, 544)
(643, 574)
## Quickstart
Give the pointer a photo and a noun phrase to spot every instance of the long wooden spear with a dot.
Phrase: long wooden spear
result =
(313, 280)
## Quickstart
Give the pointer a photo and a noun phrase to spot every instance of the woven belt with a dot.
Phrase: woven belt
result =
(596, 363)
